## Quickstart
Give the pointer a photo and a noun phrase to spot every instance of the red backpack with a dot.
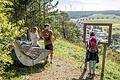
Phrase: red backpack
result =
(92, 45)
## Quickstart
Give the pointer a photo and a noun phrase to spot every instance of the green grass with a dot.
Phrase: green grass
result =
(68, 50)
(112, 70)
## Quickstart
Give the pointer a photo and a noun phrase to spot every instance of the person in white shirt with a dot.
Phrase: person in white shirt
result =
(34, 37)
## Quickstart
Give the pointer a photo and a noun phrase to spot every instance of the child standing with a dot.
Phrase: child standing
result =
(34, 37)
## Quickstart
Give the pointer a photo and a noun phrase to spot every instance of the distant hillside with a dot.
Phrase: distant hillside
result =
(103, 16)
(78, 14)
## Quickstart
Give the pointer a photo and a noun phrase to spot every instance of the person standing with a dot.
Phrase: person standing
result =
(47, 35)
(34, 37)
(93, 54)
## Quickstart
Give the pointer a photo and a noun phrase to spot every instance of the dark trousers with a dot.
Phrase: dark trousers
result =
(91, 56)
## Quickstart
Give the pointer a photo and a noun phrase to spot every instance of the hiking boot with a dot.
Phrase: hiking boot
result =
(50, 62)
(85, 69)
(89, 74)
(93, 75)
(46, 61)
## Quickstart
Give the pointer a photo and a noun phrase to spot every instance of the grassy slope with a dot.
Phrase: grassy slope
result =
(70, 51)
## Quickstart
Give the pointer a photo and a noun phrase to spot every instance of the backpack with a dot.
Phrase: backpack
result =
(92, 45)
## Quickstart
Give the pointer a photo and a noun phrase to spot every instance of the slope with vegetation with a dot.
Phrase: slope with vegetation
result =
(68, 50)
(67, 53)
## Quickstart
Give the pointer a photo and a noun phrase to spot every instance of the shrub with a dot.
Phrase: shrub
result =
(8, 32)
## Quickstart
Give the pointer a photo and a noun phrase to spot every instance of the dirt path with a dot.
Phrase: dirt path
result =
(59, 70)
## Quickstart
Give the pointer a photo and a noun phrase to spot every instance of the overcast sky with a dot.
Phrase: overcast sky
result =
(88, 5)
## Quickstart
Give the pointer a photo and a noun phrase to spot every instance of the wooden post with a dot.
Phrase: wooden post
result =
(110, 34)
(84, 40)
(103, 61)
(84, 29)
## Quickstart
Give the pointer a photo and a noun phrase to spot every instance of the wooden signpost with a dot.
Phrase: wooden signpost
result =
(104, 43)
(103, 61)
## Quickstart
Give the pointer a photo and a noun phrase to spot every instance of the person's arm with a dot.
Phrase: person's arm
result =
(97, 43)
(50, 33)
(87, 45)
(52, 36)
(37, 37)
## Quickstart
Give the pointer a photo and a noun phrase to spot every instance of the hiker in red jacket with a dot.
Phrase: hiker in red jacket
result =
(93, 54)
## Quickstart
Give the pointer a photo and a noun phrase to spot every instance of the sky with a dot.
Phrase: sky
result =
(88, 5)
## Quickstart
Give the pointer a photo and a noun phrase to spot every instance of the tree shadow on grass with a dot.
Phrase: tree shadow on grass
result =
(17, 71)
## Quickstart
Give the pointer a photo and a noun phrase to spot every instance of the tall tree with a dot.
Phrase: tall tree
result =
(64, 18)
